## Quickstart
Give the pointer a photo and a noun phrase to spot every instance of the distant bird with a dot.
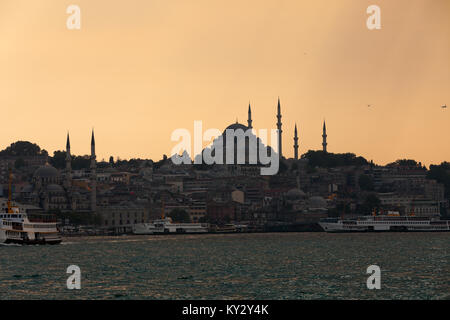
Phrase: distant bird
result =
(444, 107)
(369, 105)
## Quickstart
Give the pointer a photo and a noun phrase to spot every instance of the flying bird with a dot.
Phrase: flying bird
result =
(444, 107)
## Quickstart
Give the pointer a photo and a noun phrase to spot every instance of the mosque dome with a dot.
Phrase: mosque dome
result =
(236, 126)
(247, 151)
(46, 171)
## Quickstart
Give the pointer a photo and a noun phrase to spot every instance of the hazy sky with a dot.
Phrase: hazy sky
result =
(137, 70)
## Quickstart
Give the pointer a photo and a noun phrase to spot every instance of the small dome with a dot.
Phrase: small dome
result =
(54, 188)
(46, 171)
(295, 194)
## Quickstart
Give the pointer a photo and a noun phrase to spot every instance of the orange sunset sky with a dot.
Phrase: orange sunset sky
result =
(137, 70)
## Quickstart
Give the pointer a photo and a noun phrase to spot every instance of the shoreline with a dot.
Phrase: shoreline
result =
(138, 237)
(128, 237)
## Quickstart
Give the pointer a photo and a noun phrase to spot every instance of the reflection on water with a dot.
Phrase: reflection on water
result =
(233, 266)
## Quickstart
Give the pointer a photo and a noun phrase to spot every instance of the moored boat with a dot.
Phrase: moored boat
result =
(17, 227)
(20, 228)
(165, 226)
(392, 222)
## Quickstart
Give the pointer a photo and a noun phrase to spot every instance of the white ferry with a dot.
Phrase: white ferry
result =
(18, 227)
(165, 226)
(390, 222)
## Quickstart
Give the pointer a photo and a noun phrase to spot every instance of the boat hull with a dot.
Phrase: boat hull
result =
(339, 228)
(165, 226)
(167, 231)
(33, 242)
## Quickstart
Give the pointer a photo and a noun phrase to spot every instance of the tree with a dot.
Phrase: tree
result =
(371, 203)
(406, 163)
(161, 162)
(81, 162)
(19, 163)
(441, 173)
(58, 160)
(23, 148)
(330, 160)
(180, 216)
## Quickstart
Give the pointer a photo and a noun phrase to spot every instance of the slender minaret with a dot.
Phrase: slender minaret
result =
(93, 175)
(280, 149)
(249, 121)
(68, 180)
(324, 136)
(295, 143)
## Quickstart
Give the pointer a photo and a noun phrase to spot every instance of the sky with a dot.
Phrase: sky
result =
(137, 70)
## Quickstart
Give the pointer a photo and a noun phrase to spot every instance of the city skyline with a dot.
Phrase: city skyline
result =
(166, 65)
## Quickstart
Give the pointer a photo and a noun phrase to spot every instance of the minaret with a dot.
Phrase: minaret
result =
(324, 136)
(295, 143)
(280, 150)
(249, 121)
(93, 175)
(68, 180)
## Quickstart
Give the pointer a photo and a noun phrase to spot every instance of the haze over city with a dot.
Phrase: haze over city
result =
(137, 72)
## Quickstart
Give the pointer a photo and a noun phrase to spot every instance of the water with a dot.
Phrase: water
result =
(232, 266)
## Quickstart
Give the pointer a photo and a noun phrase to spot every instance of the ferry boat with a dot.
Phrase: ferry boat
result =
(165, 226)
(20, 228)
(390, 222)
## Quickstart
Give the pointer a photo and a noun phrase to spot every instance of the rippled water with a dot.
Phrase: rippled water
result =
(233, 266)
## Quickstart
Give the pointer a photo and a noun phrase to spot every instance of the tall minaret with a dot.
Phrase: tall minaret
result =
(295, 143)
(324, 136)
(280, 149)
(249, 121)
(93, 175)
(68, 180)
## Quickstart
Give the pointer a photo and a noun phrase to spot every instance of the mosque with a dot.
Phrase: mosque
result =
(244, 128)
(53, 191)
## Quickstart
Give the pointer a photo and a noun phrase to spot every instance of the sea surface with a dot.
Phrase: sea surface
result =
(232, 266)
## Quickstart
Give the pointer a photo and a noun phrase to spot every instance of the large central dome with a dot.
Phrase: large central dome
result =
(236, 126)
(46, 171)
(240, 148)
